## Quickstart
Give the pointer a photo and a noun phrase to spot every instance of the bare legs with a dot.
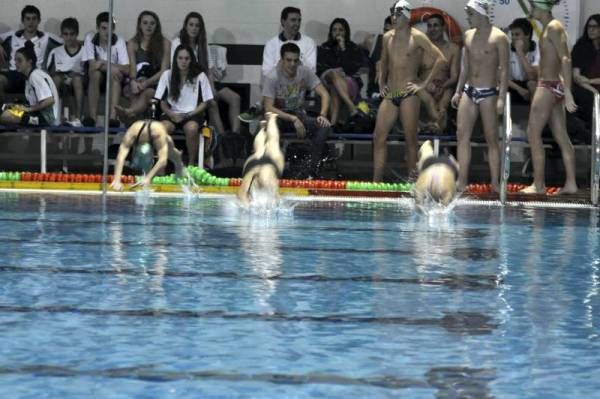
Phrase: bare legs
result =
(467, 116)
(544, 109)
(192, 139)
(388, 113)
(96, 78)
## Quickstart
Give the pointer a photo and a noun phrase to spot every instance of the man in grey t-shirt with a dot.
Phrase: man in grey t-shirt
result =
(284, 91)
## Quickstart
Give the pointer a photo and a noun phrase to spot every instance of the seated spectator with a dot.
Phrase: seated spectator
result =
(524, 60)
(290, 23)
(284, 91)
(193, 34)
(12, 81)
(339, 61)
(217, 69)
(96, 55)
(372, 44)
(184, 92)
(65, 65)
(148, 53)
(586, 68)
(437, 95)
(40, 91)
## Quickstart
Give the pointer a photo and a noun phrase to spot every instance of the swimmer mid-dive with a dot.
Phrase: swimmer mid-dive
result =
(437, 177)
(264, 167)
(146, 137)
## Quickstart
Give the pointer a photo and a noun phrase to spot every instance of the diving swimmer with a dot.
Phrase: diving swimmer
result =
(437, 177)
(144, 138)
(264, 167)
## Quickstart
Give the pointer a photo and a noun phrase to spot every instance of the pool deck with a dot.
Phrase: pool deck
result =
(581, 199)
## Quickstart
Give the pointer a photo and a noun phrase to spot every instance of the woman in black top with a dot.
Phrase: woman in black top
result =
(148, 54)
(586, 68)
(339, 61)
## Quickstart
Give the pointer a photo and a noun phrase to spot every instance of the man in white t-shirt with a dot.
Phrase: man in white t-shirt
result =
(290, 23)
(12, 81)
(65, 65)
(95, 53)
(524, 60)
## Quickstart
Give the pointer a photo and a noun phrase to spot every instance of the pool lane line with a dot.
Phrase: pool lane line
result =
(460, 233)
(451, 281)
(463, 323)
(449, 381)
(463, 253)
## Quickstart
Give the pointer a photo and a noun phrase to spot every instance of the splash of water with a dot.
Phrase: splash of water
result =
(191, 191)
(144, 196)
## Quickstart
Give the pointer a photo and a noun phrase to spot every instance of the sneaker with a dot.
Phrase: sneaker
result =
(250, 115)
(33, 121)
(75, 123)
(88, 122)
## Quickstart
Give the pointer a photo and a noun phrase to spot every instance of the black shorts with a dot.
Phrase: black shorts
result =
(16, 81)
(200, 118)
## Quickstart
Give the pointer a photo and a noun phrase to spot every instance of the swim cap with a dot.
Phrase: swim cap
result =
(401, 6)
(143, 157)
(480, 7)
(545, 5)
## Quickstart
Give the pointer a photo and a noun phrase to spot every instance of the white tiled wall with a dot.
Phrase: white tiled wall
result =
(234, 21)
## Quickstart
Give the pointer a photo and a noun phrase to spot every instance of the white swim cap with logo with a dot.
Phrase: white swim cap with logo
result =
(480, 6)
(401, 6)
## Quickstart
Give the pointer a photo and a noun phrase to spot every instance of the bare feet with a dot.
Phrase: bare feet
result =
(568, 189)
(533, 189)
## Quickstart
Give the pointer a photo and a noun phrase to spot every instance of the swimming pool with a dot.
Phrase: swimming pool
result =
(171, 299)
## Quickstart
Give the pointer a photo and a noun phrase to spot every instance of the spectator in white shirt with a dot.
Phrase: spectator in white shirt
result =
(290, 22)
(184, 93)
(65, 65)
(40, 91)
(95, 52)
(524, 60)
(12, 81)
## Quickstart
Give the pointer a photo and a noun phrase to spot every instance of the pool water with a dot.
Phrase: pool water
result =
(175, 299)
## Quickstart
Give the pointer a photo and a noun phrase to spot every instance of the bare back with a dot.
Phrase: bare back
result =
(404, 56)
(550, 60)
(483, 56)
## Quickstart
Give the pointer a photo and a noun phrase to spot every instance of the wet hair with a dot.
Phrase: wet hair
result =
(346, 26)
(195, 70)
(70, 24)
(438, 16)
(201, 42)
(289, 10)
(28, 51)
(155, 47)
(523, 24)
(29, 9)
(289, 47)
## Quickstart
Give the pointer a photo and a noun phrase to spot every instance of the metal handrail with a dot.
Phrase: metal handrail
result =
(108, 95)
(595, 172)
(505, 154)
